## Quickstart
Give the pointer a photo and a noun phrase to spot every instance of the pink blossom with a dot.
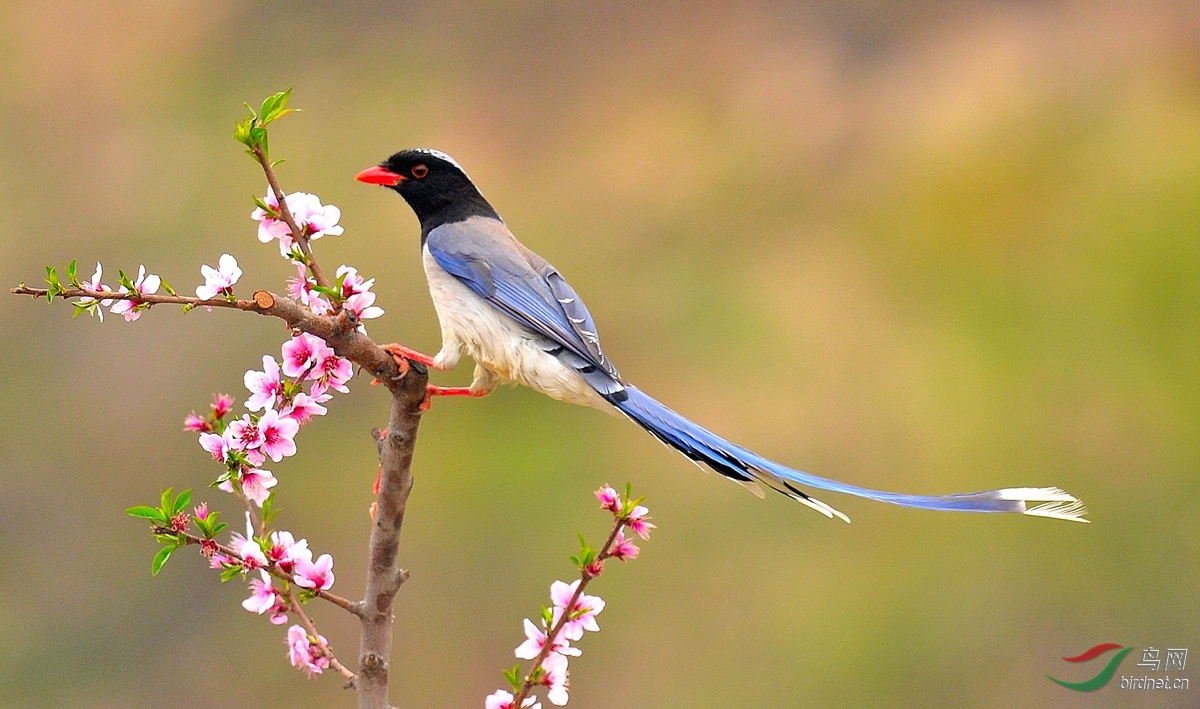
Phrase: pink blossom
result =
(311, 216)
(623, 549)
(286, 552)
(331, 372)
(255, 484)
(555, 667)
(264, 597)
(220, 561)
(361, 305)
(581, 616)
(304, 653)
(219, 280)
(609, 499)
(264, 386)
(247, 548)
(98, 287)
(501, 699)
(243, 434)
(316, 576)
(277, 435)
(303, 407)
(302, 289)
(215, 444)
(222, 405)
(638, 522)
(201, 511)
(144, 285)
(535, 640)
(192, 423)
(302, 353)
(352, 283)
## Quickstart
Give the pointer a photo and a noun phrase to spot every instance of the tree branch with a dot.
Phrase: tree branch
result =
(297, 233)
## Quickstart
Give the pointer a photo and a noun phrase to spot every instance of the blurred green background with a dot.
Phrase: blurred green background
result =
(927, 247)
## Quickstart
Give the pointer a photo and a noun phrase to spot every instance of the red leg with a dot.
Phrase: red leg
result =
(432, 390)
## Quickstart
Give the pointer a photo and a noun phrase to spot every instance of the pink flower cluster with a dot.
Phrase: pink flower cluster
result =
(314, 218)
(501, 699)
(280, 551)
(355, 294)
(580, 615)
(306, 652)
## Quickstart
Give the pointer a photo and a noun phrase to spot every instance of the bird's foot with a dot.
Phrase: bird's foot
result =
(432, 390)
(403, 355)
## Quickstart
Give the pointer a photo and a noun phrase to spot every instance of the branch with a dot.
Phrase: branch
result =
(585, 577)
(297, 233)
(384, 574)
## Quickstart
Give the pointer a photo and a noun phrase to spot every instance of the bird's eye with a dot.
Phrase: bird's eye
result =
(419, 171)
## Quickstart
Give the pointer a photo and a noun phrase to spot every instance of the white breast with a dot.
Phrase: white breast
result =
(498, 343)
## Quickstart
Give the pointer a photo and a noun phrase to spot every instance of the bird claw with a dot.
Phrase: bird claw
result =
(403, 355)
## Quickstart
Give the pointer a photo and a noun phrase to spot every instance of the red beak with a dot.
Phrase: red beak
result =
(379, 175)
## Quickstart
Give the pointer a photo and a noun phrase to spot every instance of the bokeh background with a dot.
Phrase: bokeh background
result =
(929, 247)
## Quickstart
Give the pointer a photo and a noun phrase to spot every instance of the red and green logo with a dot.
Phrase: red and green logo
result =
(1103, 677)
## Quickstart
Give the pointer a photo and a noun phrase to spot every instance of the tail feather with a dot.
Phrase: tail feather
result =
(747, 467)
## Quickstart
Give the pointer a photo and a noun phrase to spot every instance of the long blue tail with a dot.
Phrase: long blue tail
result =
(748, 467)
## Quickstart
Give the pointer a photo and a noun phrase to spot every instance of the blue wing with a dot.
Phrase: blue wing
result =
(484, 256)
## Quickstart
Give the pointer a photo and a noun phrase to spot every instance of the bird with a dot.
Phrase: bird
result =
(519, 319)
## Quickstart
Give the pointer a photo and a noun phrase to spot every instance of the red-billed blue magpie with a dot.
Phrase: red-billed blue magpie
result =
(520, 320)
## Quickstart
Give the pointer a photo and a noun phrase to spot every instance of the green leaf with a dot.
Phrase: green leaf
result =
(146, 512)
(230, 573)
(161, 558)
(73, 273)
(514, 677)
(166, 286)
(187, 308)
(182, 501)
(268, 509)
(218, 527)
(166, 506)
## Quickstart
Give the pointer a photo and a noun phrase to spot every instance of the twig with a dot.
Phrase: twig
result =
(585, 577)
(297, 233)
(312, 630)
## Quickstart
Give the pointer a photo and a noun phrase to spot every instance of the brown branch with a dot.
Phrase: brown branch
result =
(312, 630)
(298, 234)
(384, 574)
(274, 570)
(153, 299)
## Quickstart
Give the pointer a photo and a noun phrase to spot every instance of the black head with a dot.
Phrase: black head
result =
(435, 186)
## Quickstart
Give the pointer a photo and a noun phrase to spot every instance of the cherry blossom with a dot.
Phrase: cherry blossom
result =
(144, 285)
(302, 353)
(277, 435)
(219, 280)
(215, 444)
(304, 653)
(286, 552)
(314, 218)
(255, 484)
(303, 407)
(264, 386)
(316, 576)
(193, 423)
(361, 305)
(501, 699)
(201, 511)
(222, 405)
(535, 640)
(555, 677)
(581, 616)
(609, 499)
(333, 372)
(638, 522)
(96, 286)
(244, 434)
(264, 597)
(247, 548)
(623, 549)
(302, 289)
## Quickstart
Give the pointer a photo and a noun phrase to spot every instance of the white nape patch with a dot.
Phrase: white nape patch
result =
(440, 156)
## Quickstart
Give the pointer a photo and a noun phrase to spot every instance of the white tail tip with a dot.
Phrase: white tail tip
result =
(1056, 504)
